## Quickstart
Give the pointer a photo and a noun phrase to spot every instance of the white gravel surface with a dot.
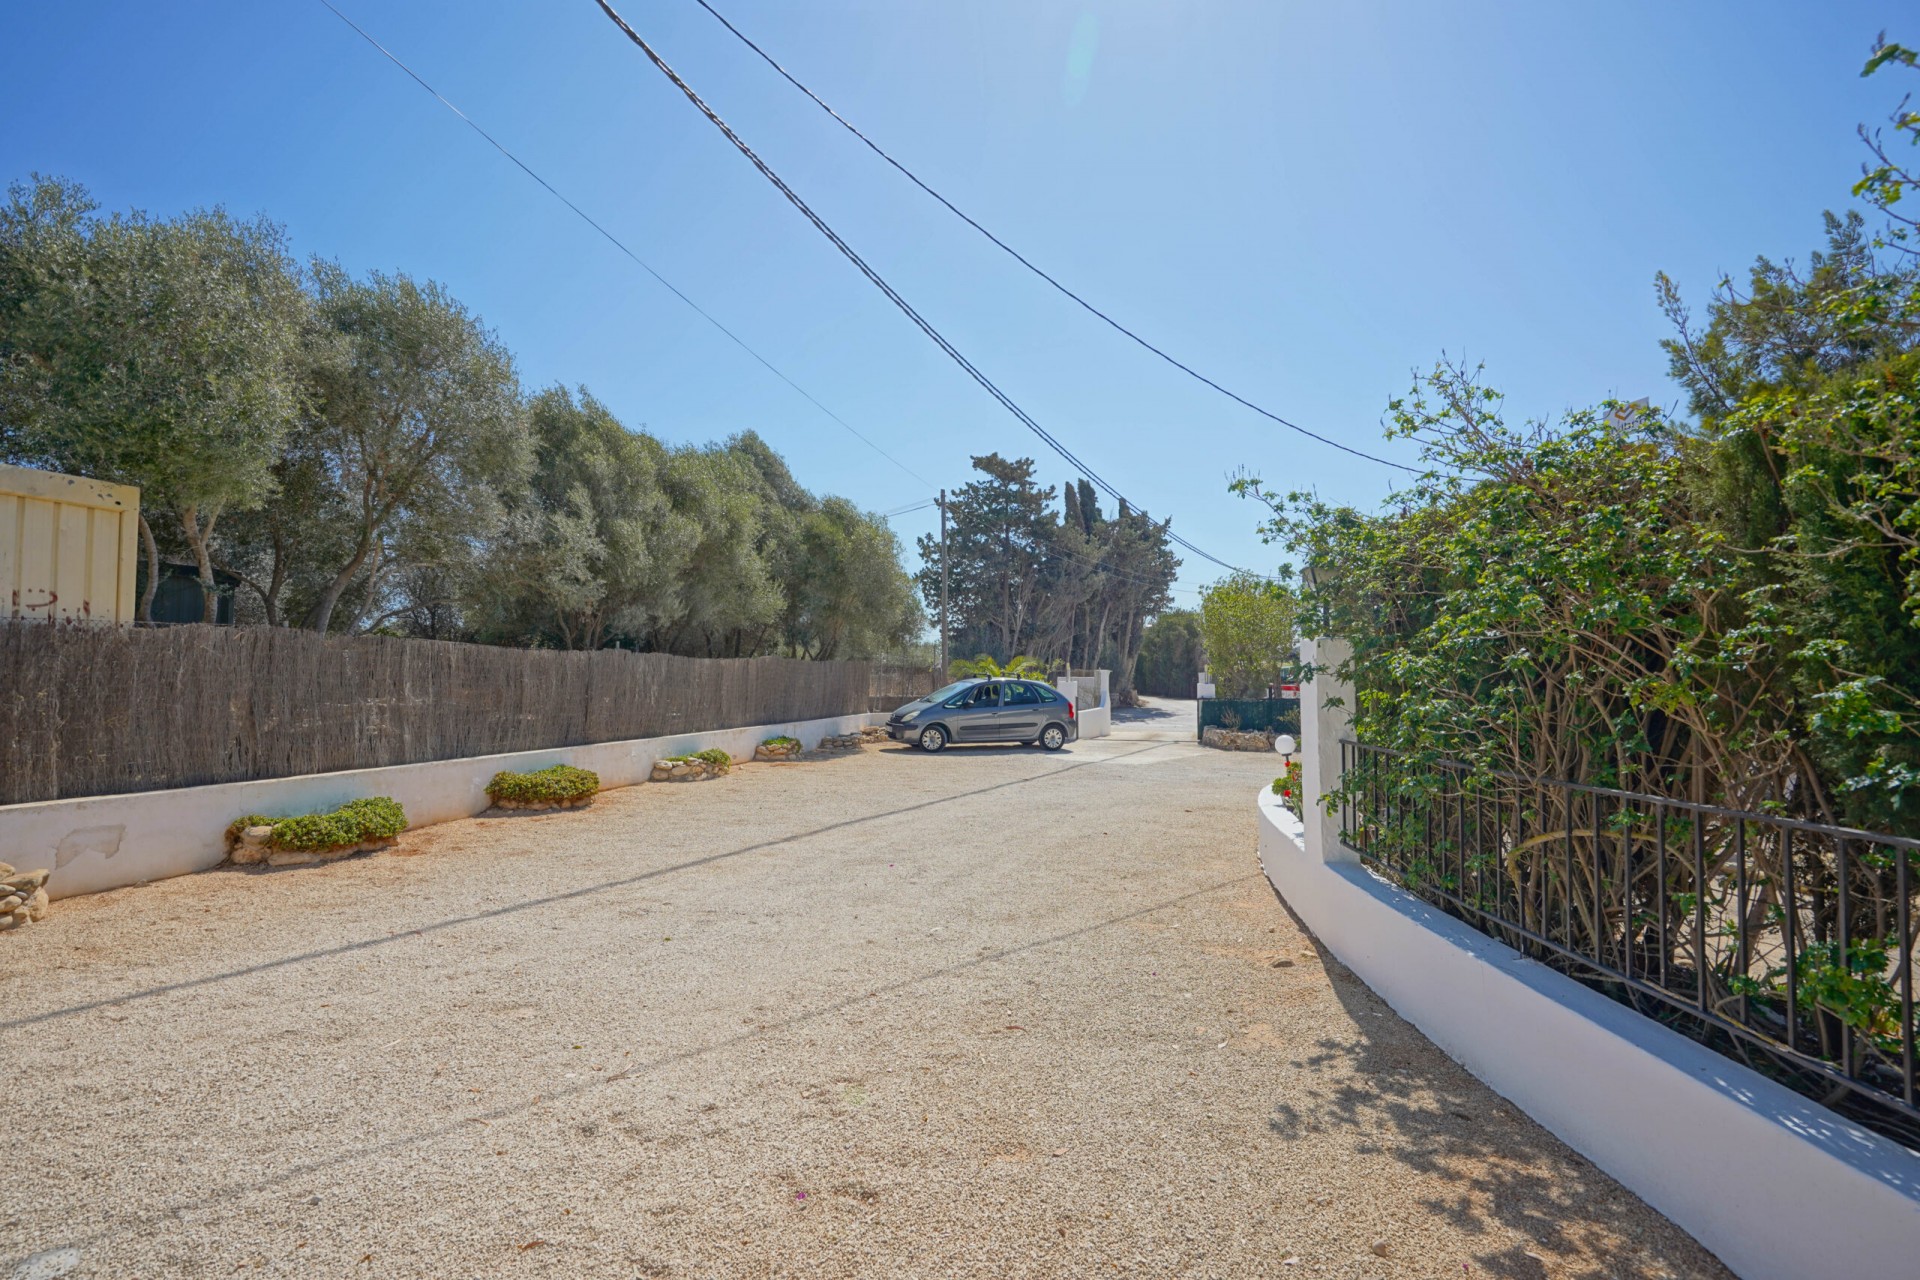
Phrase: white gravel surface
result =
(993, 1013)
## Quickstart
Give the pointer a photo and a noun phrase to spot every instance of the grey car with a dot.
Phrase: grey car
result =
(1000, 709)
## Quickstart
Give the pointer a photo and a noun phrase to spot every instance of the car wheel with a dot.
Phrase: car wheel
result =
(1053, 737)
(932, 738)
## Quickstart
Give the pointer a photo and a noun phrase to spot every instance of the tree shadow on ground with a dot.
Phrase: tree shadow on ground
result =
(1427, 1112)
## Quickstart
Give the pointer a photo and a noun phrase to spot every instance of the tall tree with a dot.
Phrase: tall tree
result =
(417, 415)
(151, 352)
(1246, 626)
(999, 533)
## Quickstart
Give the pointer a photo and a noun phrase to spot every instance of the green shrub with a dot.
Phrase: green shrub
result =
(781, 741)
(374, 818)
(552, 784)
(720, 760)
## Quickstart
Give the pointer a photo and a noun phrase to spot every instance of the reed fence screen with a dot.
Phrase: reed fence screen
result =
(893, 685)
(91, 710)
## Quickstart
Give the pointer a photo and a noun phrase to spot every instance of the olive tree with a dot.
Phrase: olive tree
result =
(417, 418)
(152, 352)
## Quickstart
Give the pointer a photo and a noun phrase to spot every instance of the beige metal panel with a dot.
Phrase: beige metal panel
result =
(67, 546)
(103, 564)
(70, 560)
(9, 553)
(33, 589)
(129, 552)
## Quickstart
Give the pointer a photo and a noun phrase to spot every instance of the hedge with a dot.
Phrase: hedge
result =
(550, 785)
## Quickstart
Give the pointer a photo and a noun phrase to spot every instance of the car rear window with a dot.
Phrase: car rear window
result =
(1043, 693)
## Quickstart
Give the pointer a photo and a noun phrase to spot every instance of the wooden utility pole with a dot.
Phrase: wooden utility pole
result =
(943, 584)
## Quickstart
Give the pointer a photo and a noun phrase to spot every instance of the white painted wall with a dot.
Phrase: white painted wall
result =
(104, 842)
(1095, 721)
(1776, 1185)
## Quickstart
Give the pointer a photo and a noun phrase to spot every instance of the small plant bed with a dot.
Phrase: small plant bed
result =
(559, 786)
(23, 897)
(359, 826)
(782, 748)
(693, 767)
(1287, 787)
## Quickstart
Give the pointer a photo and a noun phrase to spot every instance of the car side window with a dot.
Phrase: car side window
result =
(1021, 695)
(987, 695)
(1045, 693)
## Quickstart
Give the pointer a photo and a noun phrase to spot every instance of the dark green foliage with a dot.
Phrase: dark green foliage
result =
(1076, 589)
(356, 822)
(552, 784)
(1170, 657)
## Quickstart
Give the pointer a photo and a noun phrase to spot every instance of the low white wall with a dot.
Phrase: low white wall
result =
(1095, 721)
(1776, 1185)
(103, 842)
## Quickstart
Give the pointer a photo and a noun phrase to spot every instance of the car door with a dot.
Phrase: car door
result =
(1020, 712)
(978, 720)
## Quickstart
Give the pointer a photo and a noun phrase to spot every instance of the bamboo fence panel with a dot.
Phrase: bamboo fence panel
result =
(92, 710)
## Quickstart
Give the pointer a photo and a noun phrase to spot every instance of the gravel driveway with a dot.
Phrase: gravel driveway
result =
(993, 1013)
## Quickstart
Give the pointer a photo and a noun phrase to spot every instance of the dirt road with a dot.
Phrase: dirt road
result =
(995, 1013)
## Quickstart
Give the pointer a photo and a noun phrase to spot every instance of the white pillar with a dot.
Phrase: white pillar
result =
(1326, 715)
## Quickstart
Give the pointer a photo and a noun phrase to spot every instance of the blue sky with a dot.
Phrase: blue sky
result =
(1305, 201)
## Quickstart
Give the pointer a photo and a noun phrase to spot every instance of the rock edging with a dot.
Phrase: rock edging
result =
(1236, 739)
(23, 896)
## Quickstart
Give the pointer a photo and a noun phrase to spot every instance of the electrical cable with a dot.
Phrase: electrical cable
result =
(1022, 259)
(618, 244)
(880, 283)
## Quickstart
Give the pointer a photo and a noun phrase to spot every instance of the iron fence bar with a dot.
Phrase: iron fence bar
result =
(1742, 962)
(1660, 886)
(1599, 883)
(1771, 819)
(1566, 880)
(1903, 921)
(1626, 894)
(1789, 921)
(1846, 954)
(1699, 913)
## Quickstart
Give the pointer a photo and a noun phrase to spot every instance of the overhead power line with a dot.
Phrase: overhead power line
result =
(617, 243)
(1027, 420)
(1024, 261)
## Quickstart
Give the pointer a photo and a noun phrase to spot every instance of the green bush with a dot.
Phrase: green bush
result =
(782, 741)
(375, 818)
(720, 760)
(550, 785)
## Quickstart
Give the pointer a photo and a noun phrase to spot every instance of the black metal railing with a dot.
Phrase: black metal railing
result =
(1787, 944)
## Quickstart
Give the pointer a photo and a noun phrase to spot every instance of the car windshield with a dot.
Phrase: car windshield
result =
(941, 695)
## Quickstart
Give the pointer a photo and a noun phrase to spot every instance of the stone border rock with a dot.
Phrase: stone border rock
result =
(774, 750)
(1236, 739)
(692, 769)
(853, 741)
(23, 896)
(254, 845)
(544, 806)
